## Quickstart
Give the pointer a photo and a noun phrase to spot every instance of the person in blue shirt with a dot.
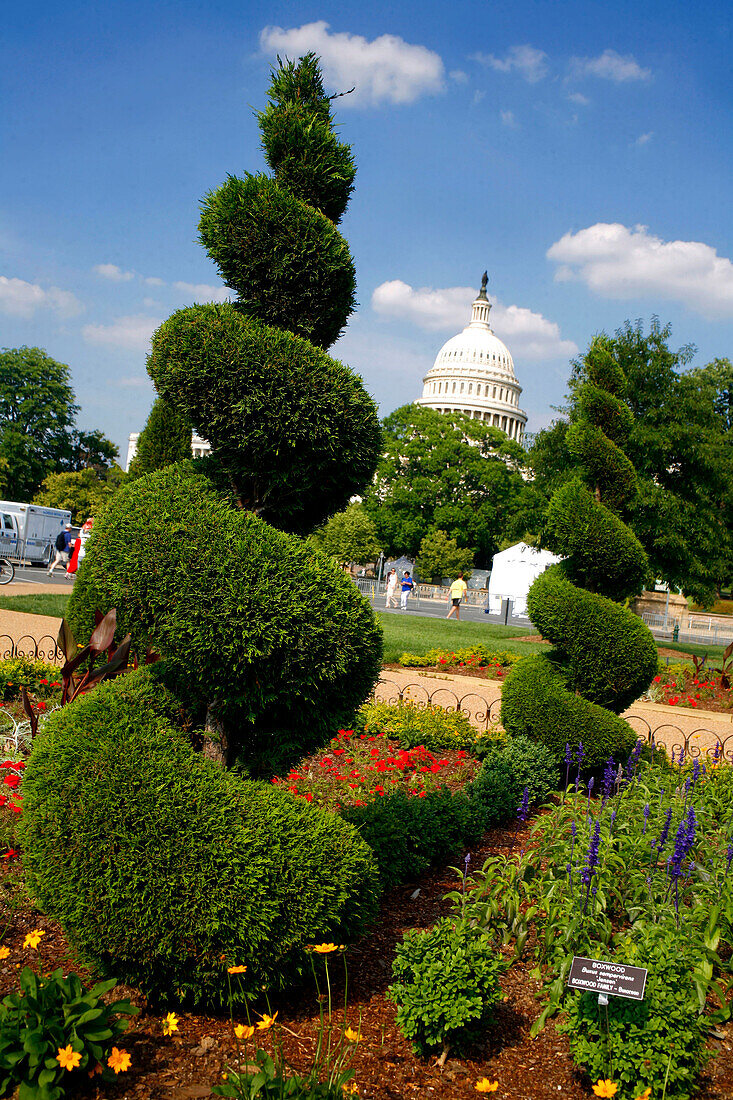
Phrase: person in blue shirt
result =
(61, 548)
(407, 584)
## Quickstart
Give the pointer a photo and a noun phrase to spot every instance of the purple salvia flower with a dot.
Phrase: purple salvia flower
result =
(591, 862)
(523, 807)
(609, 778)
(695, 771)
(681, 761)
(646, 819)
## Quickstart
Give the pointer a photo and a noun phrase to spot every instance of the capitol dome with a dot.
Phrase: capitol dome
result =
(473, 374)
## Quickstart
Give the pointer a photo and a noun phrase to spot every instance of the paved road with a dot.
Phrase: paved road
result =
(36, 575)
(438, 609)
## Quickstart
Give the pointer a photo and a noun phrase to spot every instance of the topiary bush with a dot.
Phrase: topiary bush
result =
(284, 651)
(605, 657)
(296, 430)
(158, 864)
(411, 724)
(506, 771)
(165, 868)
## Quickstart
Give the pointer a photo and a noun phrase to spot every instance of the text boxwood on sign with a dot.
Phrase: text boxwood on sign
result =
(613, 979)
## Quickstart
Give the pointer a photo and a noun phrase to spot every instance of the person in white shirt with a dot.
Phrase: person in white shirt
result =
(458, 591)
(391, 589)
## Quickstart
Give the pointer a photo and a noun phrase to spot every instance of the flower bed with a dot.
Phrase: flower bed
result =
(472, 660)
(357, 769)
(696, 686)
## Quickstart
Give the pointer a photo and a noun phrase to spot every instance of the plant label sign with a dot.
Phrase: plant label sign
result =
(609, 978)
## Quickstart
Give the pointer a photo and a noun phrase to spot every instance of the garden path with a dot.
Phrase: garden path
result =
(481, 698)
(20, 627)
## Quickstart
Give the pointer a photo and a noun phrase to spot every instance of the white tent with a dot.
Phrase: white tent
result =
(512, 574)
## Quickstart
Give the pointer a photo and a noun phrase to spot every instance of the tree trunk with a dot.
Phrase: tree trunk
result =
(216, 740)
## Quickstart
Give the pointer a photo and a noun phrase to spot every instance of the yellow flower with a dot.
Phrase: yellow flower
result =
(68, 1058)
(484, 1085)
(605, 1088)
(119, 1060)
(266, 1022)
(325, 948)
(352, 1036)
(236, 969)
(170, 1023)
(351, 1088)
(644, 1095)
(242, 1031)
(4, 952)
(33, 938)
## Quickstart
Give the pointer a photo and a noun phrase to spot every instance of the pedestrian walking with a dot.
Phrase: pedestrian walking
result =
(407, 584)
(391, 589)
(458, 592)
(61, 546)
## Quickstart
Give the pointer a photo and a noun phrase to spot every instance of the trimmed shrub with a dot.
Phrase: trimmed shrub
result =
(249, 226)
(605, 657)
(446, 982)
(299, 142)
(536, 702)
(166, 868)
(268, 632)
(296, 430)
(494, 791)
(409, 833)
(506, 770)
(657, 1043)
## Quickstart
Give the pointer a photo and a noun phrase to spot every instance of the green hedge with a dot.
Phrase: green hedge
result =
(296, 430)
(164, 869)
(408, 833)
(253, 230)
(505, 773)
(270, 633)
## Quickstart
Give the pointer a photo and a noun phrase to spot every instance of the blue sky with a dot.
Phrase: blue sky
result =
(579, 151)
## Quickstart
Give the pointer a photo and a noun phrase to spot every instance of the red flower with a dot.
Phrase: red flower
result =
(11, 780)
(43, 682)
(657, 679)
(3, 799)
(11, 854)
(308, 797)
(337, 752)
(17, 809)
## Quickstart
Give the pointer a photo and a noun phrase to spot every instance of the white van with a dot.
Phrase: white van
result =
(28, 532)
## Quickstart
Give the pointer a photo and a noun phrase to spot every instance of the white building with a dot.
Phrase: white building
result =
(199, 446)
(474, 374)
(513, 572)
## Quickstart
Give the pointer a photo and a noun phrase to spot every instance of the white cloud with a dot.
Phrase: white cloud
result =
(114, 273)
(610, 66)
(385, 70)
(530, 63)
(153, 280)
(579, 98)
(644, 139)
(508, 119)
(132, 333)
(459, 76)
(621, 263)
(21, 299)
(529, 335)
(202, 292)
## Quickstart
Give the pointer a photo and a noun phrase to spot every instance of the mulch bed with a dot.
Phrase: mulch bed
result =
(186, 1065)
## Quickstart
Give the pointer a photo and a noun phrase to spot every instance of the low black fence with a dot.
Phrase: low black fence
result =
(37, 649)
(700, 743)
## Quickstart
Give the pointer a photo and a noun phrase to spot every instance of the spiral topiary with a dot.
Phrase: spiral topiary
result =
(605, 656)
(188, 867)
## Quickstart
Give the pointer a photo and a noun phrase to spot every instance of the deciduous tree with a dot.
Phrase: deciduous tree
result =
(349, 536)
(441, 556)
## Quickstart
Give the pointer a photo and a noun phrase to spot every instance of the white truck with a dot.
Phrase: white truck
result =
(28, 532)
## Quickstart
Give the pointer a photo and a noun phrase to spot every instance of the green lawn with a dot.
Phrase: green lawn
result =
(413, 634)
(45, 603)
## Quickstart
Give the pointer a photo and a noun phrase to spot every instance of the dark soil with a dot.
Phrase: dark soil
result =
(186, 1065)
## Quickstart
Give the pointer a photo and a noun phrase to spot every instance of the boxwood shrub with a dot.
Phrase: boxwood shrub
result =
(408, 833)
(255, 623)
(506, 771)
(164, 868)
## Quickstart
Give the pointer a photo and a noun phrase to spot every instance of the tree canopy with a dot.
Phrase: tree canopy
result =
(166, 438)
(84, 492)
(452, 473)
(37, 424)
(349, 536)
(681, 445)
(441, 557)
